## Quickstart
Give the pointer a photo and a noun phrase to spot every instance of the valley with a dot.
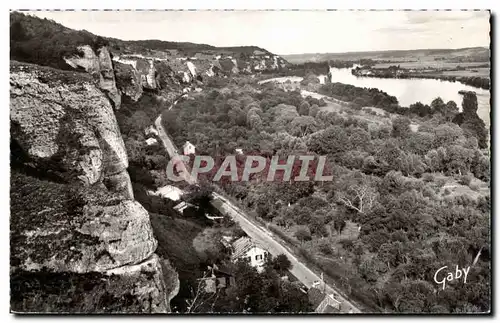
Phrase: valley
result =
(96, 121)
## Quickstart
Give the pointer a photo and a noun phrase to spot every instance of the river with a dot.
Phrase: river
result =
(409, 91)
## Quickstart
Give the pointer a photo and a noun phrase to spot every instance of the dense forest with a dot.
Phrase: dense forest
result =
(390, 218)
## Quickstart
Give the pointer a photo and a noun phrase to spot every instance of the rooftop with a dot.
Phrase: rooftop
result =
(241, 246)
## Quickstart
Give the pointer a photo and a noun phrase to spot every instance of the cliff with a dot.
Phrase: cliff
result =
(79, 242)
(130, 67)
(82, 243)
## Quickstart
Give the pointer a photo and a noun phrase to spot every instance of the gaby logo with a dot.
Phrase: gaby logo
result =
(441, 276)
(246, 168)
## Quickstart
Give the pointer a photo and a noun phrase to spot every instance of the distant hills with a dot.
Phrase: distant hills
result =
(476, 54)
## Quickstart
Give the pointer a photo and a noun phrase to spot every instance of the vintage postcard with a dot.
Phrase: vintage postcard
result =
(257, 162)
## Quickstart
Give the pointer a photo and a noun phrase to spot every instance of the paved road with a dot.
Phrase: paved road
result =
(172, 152)
(255, 231)
(264, 238)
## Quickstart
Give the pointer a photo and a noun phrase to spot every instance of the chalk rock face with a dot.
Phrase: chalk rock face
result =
(77, 229)
(100, 66)
(79, 242)
(62, 119)
(128, 80)
(192, 68)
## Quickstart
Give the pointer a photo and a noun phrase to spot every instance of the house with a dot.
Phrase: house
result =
(322, 302)
(151, 141)
(239, 151)
(217, 279)
(180, 207)
(169, 191)
(189, 148)
(244, 248)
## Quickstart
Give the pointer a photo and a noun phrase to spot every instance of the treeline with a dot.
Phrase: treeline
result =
(45, 42)
(360, 97)
(392, 72)
(364, 97)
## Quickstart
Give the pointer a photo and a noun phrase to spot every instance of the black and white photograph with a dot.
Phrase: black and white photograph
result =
(182, 162)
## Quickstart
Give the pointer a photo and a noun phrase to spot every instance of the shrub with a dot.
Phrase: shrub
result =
(474, 187)
(465, 179)
(428, 177)
(440, 182)
(447, 191)
(281, 263)
(326, 249)
(303, 234)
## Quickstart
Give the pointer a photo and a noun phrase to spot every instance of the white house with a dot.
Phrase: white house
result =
(189, 148)
(180, 207)
(168, 191)
(151, 141)
(244, 248)
(150, 131)
(239, 151)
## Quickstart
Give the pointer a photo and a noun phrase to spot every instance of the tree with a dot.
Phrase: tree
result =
(302, 126)
(450, 110)
(281, 263)
(304, 108)
(170, 122)
(401, 127)
(237, 116)
(332, 140)
(303, 234)
(199, 195)
(313, 110)
(356, 192)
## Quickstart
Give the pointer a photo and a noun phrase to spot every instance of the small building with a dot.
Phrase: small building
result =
(170, 192)
(180, 207)
(150, 131)
(244, 248)
(189, 148)
(151, 141)
(217, 279)
(239, 151)
(322, 302)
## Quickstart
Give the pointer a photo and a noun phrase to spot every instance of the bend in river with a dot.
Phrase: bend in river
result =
(409, 91)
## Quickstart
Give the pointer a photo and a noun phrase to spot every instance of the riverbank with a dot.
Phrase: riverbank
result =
(436, 74)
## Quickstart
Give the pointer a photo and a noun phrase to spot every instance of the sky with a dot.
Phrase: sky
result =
(291, 32)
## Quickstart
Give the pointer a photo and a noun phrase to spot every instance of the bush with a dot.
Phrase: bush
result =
(440, 182)
(326, 249)
(447, 191)
(281, 263)
(465, 179)
(474, 187)
(303, 234)
(428, 177)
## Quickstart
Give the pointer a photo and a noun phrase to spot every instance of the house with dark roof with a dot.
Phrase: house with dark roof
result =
(322, 302)
(218, 278)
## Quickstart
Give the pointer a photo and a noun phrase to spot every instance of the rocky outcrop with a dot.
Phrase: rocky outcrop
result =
(79, 242)
(63, 120)
(100, 66)
(128, 80)
(77, 229)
